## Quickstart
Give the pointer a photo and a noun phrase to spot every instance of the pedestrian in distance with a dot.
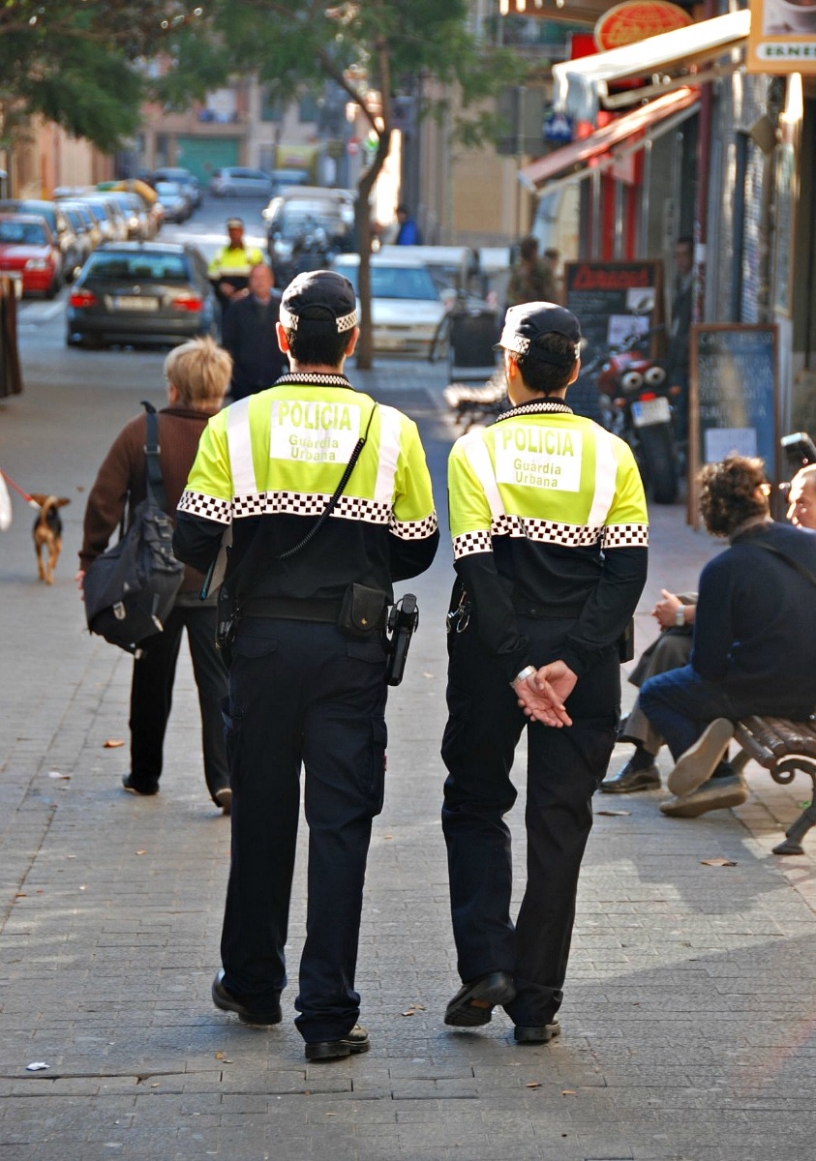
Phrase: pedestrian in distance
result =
(753, 639)
(549, 527)
(408, 233)
(531, 279)
(250, 337)
(197, 375)
(802, 498)
(308, 588)
(231, 264)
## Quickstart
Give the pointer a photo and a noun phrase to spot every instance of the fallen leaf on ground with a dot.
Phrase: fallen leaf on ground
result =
(718, 862)
(141, 852)
(410, 1012)
(36, 1066)
(568, 1092)
(533, 1084)
(57, 774)
(613, 812)
(112, 743)
(223, 1056)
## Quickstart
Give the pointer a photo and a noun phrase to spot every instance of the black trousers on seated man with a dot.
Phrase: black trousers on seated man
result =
(564, 769)
(301, 692)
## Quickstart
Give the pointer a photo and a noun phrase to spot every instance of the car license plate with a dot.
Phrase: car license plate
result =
(645, 412)
(135, 302)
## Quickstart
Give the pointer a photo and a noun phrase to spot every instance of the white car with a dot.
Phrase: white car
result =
(406, 306)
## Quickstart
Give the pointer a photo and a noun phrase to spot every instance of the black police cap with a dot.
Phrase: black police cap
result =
(319, 296)
(529, 321)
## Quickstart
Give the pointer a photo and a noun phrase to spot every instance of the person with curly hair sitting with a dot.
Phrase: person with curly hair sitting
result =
(752, 650)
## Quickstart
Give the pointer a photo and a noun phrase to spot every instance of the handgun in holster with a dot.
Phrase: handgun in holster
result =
(403, 620)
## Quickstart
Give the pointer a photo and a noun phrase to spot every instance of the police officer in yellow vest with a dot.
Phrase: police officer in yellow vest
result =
(549, 530)
(230, 266)
(308, 672)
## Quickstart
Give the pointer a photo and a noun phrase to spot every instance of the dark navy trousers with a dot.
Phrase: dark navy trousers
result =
(301, 694)
(564, 768)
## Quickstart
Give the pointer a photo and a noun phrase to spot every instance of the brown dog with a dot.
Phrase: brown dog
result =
(47, 534)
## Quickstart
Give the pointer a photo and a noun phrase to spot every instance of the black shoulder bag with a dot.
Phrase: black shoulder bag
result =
(129, 591)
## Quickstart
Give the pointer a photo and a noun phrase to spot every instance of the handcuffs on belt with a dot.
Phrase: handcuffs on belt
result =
(459, 618)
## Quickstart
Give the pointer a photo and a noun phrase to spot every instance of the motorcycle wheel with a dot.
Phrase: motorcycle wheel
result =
(659, 460)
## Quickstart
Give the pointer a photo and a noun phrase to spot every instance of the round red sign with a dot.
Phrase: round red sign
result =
(636, 20)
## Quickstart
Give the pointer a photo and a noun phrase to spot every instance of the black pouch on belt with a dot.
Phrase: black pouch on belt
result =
(362, 610)
(626, 643)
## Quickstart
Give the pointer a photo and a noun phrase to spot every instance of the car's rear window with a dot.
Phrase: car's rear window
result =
(23, 233)
(411, 282)
(43, 211)
(151, 267)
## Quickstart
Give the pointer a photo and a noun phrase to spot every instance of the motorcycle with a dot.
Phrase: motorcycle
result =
(636, 404)
(312, 249)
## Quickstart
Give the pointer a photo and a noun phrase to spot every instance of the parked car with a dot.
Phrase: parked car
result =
(87, 219)
(28, 248)
(238, 181)
(82, 232)
(141, 292)
(135, 213)
(173, 202)
(114, 224)
(406, 306)
(58, 226)
(283, 179)
(188, 182)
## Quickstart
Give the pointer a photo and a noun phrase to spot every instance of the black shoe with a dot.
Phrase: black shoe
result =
(135, 786)
(542, 1034)
(631, 779)
(223, 798)
(354, 1041)
(225, 1000)
(473, 1004)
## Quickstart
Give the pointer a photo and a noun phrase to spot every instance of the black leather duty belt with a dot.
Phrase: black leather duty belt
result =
(292, 609)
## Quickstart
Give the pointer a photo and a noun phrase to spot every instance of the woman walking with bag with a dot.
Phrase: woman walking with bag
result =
(197, 375)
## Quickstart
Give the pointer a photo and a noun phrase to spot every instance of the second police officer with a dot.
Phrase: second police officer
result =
(549, 529)
(230, 266)
(308, 673)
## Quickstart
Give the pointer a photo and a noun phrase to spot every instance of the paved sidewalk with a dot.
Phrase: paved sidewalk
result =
(688, 1021)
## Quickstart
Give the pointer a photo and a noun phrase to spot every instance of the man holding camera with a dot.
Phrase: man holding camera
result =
(549, 529)
(329, 501)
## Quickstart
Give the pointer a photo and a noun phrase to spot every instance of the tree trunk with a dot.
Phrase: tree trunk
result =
(362, 221)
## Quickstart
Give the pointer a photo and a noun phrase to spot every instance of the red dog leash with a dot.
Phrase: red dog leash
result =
(19, 490)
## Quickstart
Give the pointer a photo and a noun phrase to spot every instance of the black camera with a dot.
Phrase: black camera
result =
(403, 620)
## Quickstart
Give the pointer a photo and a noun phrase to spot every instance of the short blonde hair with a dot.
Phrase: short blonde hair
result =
(200, 371)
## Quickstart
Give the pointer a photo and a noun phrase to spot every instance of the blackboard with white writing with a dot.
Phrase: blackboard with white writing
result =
(612, 300)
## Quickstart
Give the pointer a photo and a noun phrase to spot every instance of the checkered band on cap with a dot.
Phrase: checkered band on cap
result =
(290, 321)
(513, 342)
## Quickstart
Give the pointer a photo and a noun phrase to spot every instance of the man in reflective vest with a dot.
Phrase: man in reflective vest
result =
(549, 529)
(308, 672)
(230, 266)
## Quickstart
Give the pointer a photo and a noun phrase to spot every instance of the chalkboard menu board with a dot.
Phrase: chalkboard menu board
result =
(612, 300)
(734, 395)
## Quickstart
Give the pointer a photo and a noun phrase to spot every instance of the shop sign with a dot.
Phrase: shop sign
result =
(637, 20)
(783, 37)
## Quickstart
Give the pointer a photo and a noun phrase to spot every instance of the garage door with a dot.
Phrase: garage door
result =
(203, 155)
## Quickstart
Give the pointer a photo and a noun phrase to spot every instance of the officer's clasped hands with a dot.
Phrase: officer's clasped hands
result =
(543, 693)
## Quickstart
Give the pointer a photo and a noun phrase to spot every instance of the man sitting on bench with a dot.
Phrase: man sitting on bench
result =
(753, 639)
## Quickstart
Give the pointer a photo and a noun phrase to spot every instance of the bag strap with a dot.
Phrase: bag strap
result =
(153, 474)
(802, 569)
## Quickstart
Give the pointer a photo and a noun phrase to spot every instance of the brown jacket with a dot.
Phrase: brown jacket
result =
(122, 476)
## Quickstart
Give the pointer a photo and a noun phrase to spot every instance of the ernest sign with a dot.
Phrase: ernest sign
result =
(783, 37)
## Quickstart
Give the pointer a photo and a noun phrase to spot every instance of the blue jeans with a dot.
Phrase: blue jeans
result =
(680, 704)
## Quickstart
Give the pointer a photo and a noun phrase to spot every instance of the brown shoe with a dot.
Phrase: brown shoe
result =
(630, 780)
(699, 762)
(716, 794)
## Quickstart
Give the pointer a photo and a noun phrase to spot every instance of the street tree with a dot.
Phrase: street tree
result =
(81, 63)
(369, 48)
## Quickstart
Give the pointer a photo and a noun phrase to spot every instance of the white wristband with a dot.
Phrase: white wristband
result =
(680, 616)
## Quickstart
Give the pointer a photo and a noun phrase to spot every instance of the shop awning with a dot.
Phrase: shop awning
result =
(581, 86)
(635, 129)
(567, 11)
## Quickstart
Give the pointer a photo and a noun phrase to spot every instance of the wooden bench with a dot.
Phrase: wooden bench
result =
(782, 747)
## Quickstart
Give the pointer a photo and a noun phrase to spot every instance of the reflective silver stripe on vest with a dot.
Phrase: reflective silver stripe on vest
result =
(606, 476)
(390, 446)
(239, 444)
(479, 459)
